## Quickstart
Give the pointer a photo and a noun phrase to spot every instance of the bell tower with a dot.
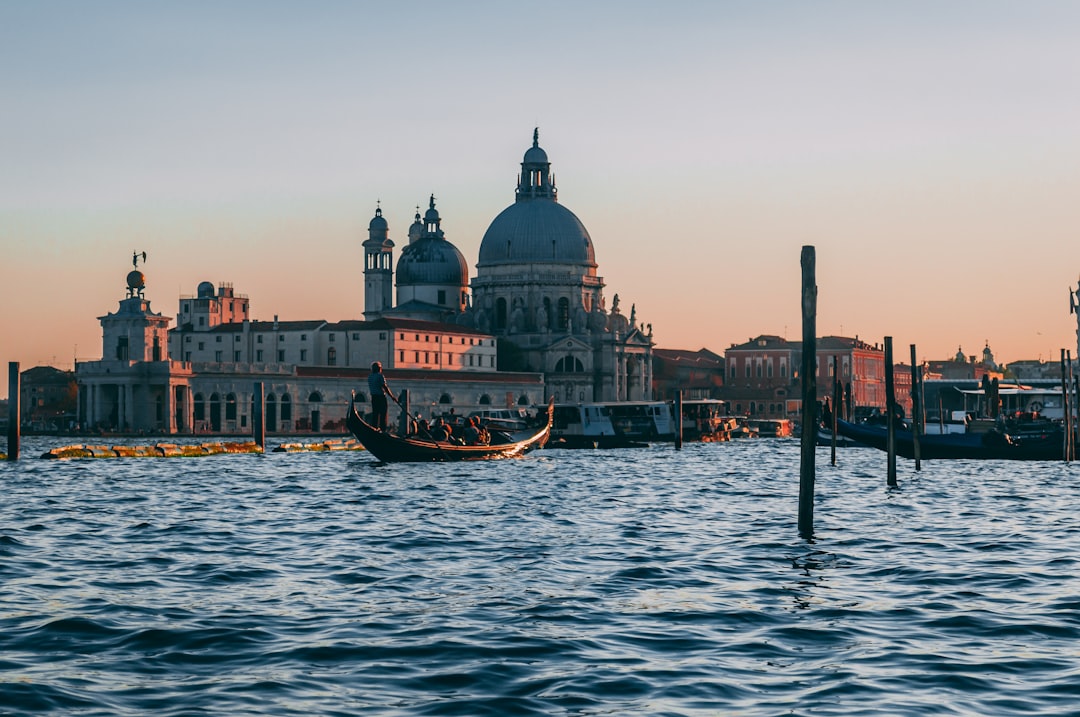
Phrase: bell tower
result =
(378, 268)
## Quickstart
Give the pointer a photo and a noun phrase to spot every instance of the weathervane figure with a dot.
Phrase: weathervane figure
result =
(135, 259)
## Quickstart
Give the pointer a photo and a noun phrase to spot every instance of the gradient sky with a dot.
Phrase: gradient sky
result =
(930, 151)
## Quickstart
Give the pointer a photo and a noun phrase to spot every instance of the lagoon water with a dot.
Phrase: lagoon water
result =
(627, 582)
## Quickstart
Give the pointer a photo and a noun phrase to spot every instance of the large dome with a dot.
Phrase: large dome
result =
(432, 261)
(537, 231)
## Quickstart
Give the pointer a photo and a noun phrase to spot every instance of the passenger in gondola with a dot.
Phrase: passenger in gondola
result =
(472, 432)
(379, 391)
(440, 431)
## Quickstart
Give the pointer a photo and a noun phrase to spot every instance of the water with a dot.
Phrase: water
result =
(636, 582)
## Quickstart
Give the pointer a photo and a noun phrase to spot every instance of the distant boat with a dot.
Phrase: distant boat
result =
(391, 448)
(1035, 443)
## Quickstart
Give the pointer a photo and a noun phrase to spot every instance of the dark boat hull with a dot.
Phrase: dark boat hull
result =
(390, 448)
(971, 446)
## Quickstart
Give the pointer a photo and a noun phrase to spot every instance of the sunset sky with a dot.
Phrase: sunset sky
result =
(930, 151)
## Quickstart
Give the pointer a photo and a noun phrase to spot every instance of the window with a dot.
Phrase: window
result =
(427, 358)
(236, 356)
(217, 356)
(768, 369)
(281, 356)
(356, 336)
(303, 337)
(416, 357)
(230, 407)
(237, 338)
(259, 355)
(382, 336)
(281, 338)
(401, 356)
(303, 354)
(187, 356)
(217, 339)
(331, 356)
(442, 297)
(331, 338)
(258, 339)
(202, 346)
(485, 400)
(187, 339)
(746, 363)
(202, 321)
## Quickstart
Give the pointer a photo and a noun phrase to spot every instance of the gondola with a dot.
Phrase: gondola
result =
(1045, 445)
(391, 448)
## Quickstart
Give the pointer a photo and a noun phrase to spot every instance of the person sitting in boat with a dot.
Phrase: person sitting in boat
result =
(472, 432)
(440, 431)
(379, 392)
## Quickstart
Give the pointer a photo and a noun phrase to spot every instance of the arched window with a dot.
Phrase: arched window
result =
(445, 399)
(485, 400)
(315, 397)
(215, 412)
(331, 356)
(523, 400)
(768, 369)
(569, 364)
(230, 407)
(500, 314)
(564, 313)
(199, 407)
(286, 407)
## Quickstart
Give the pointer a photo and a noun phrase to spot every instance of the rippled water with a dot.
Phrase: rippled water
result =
(643, 582)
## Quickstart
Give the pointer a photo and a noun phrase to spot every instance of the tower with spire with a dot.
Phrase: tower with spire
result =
(378, 267)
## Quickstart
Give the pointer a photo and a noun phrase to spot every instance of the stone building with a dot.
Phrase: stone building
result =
(763, 374)
(536, 289)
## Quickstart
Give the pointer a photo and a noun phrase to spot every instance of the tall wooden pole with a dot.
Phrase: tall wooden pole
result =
(13, 411)
(835, 408)
(809, 392)
(890, 410)
(916, 425)
(1067, 408)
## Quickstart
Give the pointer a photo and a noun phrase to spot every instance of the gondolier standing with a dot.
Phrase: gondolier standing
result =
(379, 391)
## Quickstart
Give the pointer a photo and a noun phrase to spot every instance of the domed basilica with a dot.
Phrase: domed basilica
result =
(536, 289)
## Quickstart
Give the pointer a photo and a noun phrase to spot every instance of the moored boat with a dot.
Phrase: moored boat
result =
(392, 448)
(1045, 444)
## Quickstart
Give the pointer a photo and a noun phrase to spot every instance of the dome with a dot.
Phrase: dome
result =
(432, 261)
(535, 155)
(378, 223)
(205, 290)
(538, 231)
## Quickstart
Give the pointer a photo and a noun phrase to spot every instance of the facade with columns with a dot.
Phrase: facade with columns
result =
(536, 289)
(200, 377)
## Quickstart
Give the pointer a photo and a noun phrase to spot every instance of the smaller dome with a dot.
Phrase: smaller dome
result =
(535, 155)
(205, 290)
(432, 261)
(378, 223)
(136, 280)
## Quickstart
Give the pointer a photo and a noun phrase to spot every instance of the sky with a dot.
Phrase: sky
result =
(929, 151)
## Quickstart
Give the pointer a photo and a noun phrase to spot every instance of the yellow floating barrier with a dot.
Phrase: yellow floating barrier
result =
(158, 450)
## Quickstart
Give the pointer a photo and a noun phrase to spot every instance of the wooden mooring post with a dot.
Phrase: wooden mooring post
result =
(13, 411)
(890, 411)
(809, 392)
(678, 420)
(916, 413)
(258, 420)
(1067, 439)
(836, 401)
